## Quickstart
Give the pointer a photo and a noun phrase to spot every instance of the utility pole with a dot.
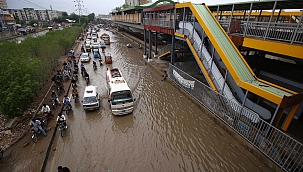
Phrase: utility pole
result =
(79, 7)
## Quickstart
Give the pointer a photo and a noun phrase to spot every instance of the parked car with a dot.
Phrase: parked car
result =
(84, 57)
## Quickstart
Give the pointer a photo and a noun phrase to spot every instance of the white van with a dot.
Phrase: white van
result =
(91, 98)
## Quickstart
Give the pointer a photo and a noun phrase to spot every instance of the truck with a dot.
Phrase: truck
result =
(119, 94)
(105, 37)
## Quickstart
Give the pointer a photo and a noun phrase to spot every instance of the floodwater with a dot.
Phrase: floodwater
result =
(166, 131)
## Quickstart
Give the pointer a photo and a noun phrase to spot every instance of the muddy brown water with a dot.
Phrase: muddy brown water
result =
(166, 131)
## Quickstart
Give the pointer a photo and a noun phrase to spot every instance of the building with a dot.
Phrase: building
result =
(131, 3)
(3, 4)
(28, 14)
(6, 18)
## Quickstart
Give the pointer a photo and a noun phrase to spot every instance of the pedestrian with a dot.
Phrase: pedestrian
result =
(164, 76)
(63, 169)
(206, 43)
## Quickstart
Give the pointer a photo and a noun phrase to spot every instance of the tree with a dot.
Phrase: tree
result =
(64, 15)
(31, 23)
(16, 19)
(91, 17)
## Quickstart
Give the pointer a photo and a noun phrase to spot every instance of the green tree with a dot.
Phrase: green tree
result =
(28, 67)
(91, 17)
(64, 14)
(31, 23)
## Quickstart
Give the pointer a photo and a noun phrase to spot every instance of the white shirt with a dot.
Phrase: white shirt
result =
(46, 108)
(61, 118)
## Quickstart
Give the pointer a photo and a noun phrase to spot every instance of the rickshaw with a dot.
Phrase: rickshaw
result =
(108, 59)
(23, 32)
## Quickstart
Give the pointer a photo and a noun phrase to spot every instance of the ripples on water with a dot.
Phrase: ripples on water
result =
(166, 132)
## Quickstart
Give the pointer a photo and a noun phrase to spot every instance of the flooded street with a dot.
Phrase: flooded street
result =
(166, 131)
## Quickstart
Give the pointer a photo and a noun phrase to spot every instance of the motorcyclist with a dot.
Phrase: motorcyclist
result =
(69, 59)
(36, 124)
(82, 65)
(72, 51)
(54, 96)
(73, 81)
(61, 119)
(66, 101)
(75, 91)
(66, 73)
(86, 75)
(46, 110)
(83, 71)
(94, 64)
(69, 66)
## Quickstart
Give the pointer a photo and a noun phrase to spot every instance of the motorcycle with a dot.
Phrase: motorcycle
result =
(35, 131)
(61, 128)
(95, 67)
(60, 89)
(66, 77)
(44, 120)
(75, 97)
(67, 108)
(55, 102)
(87, 80)
(75, 77)
(74, 85)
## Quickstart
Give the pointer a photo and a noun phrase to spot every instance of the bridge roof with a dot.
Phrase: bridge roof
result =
(259, 5)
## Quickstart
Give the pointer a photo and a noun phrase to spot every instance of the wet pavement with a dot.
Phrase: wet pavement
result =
(166, 131)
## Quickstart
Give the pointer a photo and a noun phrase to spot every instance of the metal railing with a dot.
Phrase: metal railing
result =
(285, 151)
(286, 32)
(164, 49)
(165, 23)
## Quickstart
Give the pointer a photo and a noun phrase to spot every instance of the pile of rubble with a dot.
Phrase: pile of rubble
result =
(11, 130)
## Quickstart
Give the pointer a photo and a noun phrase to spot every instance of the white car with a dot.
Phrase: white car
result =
(84, 57)
(89, 37)
(95, 45)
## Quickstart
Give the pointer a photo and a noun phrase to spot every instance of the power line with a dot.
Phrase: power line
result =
(79, 7)
(26, 1)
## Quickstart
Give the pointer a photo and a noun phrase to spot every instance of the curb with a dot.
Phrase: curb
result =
(55, 128)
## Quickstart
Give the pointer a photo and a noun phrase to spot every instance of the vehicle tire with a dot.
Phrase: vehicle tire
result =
(34, 137)
(76, 100)
(66, 110)
(45, 122)
(61, 131)
(54, 106)
(1, 154)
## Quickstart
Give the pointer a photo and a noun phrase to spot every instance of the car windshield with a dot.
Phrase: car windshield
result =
(84, 56)
(121, 97)
(88, 100)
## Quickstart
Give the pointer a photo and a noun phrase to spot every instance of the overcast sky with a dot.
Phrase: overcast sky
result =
(88, 6)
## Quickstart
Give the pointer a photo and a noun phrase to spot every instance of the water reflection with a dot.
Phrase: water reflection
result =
(123, 123)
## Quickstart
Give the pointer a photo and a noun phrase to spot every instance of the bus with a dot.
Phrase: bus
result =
(119, 94)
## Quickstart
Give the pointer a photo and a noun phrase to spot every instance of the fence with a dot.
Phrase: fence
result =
(285, 151)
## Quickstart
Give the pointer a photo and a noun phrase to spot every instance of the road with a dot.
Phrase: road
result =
(166, 131)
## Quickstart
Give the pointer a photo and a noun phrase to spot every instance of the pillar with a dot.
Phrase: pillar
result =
(156, 44)
(149, 58)
(144, 33)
